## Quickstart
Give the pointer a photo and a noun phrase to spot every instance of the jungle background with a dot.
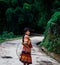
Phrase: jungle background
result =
(41, 16)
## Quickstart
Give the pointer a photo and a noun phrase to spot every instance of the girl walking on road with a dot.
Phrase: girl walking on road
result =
(25, 56)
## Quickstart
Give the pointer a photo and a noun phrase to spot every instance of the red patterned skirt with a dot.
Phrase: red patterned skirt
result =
(25, 57)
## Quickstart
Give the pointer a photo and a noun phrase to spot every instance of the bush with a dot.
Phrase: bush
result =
(52, 34)
(6, 35)
(11, 35)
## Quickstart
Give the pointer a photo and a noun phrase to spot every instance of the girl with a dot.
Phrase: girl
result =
(25, 56)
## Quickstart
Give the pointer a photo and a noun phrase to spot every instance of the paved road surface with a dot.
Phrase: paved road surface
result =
(8, 55)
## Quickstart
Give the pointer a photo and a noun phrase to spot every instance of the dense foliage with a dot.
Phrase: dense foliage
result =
(17, 14)
(6, 35)
(52, 34)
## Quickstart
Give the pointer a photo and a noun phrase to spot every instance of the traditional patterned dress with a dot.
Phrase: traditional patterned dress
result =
(25, 56)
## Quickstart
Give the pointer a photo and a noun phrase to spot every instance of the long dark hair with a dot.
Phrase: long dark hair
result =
(25, 30)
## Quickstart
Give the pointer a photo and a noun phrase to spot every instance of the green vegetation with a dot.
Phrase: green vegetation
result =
(52, 34)
(14, 15)
(8, 36)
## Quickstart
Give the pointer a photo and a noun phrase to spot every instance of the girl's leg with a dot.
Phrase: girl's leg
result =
(27, 64)
(24, 63)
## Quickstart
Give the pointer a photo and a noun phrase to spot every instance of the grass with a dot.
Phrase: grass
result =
(2, 40)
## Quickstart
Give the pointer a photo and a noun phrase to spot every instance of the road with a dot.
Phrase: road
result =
(9, 55)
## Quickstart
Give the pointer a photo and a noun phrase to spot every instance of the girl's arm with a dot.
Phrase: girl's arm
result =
(25, 43)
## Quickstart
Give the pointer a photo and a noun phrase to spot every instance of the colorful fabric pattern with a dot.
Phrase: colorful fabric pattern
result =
(25, 56)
